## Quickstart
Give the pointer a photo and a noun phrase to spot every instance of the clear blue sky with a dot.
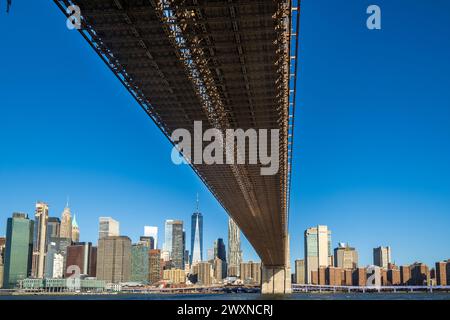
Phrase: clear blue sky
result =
(372, 141)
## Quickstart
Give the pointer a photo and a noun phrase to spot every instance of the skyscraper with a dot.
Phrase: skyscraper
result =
(148, 241)
(39, 241)
(177, 255)
(317, 250)
(114, 259)
(300, 271)
(219, 249)
(196, 236)
(139, 262)
(108, 227)
(66, 223)
(173, 243)
(345, 256)
(167, 246)
(234, 248)
(382, 256)
(150, 231)
(53, 228)
(154, 265)
(56, 247)
(75, 230)
(18, 249)
(83, 256)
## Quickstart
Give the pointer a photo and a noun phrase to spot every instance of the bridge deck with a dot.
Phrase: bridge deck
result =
(226, 63)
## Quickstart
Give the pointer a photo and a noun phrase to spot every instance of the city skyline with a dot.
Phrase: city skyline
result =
(374, 170)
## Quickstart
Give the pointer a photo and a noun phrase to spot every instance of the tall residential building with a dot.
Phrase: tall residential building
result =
(317, 250)
(441, 272)
(205, 273)
(66, 223)
(154, 266)
(139, 262)
(382, 257)
(173, 244)
(219, 249)
(39, 240)
(150, 231)
(56, 248)
(174, 276)
(196, 236)
(405, 275)
(53, 228)
(108, 227)
(250, 272)
(114, 259)
(300, 271)
(220, 269)
(83, 256)
(18, 249)
(234, 248)
(420, 274)
(75, 230)
(345, 256)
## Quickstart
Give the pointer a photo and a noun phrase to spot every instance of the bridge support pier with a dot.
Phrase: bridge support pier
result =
(275, 280)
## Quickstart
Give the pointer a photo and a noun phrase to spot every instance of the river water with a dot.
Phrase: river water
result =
(239, 296)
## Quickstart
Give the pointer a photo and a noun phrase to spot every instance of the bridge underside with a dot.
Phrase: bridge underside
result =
(226, 63)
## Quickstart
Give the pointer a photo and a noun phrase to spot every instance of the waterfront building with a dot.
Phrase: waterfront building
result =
(66, 223)
(114, 259)
(348, 277)
(250, 272)
(441, 272)
(360, 277)
(382, 257)
(18, 249)
(322, 276)
(75, 230)
(151, 231)
(234, 248)
(299, 272)
(83, 256)
(420, 274)
(174, 276)
(196, 236)
(139, 263)
(204, 273)
(39, 240)
(405, 275)
(56, 250)
(317, 250)
(154, 265)
(108, 227)
(334, 276)
(394, 277)
(345, 257)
